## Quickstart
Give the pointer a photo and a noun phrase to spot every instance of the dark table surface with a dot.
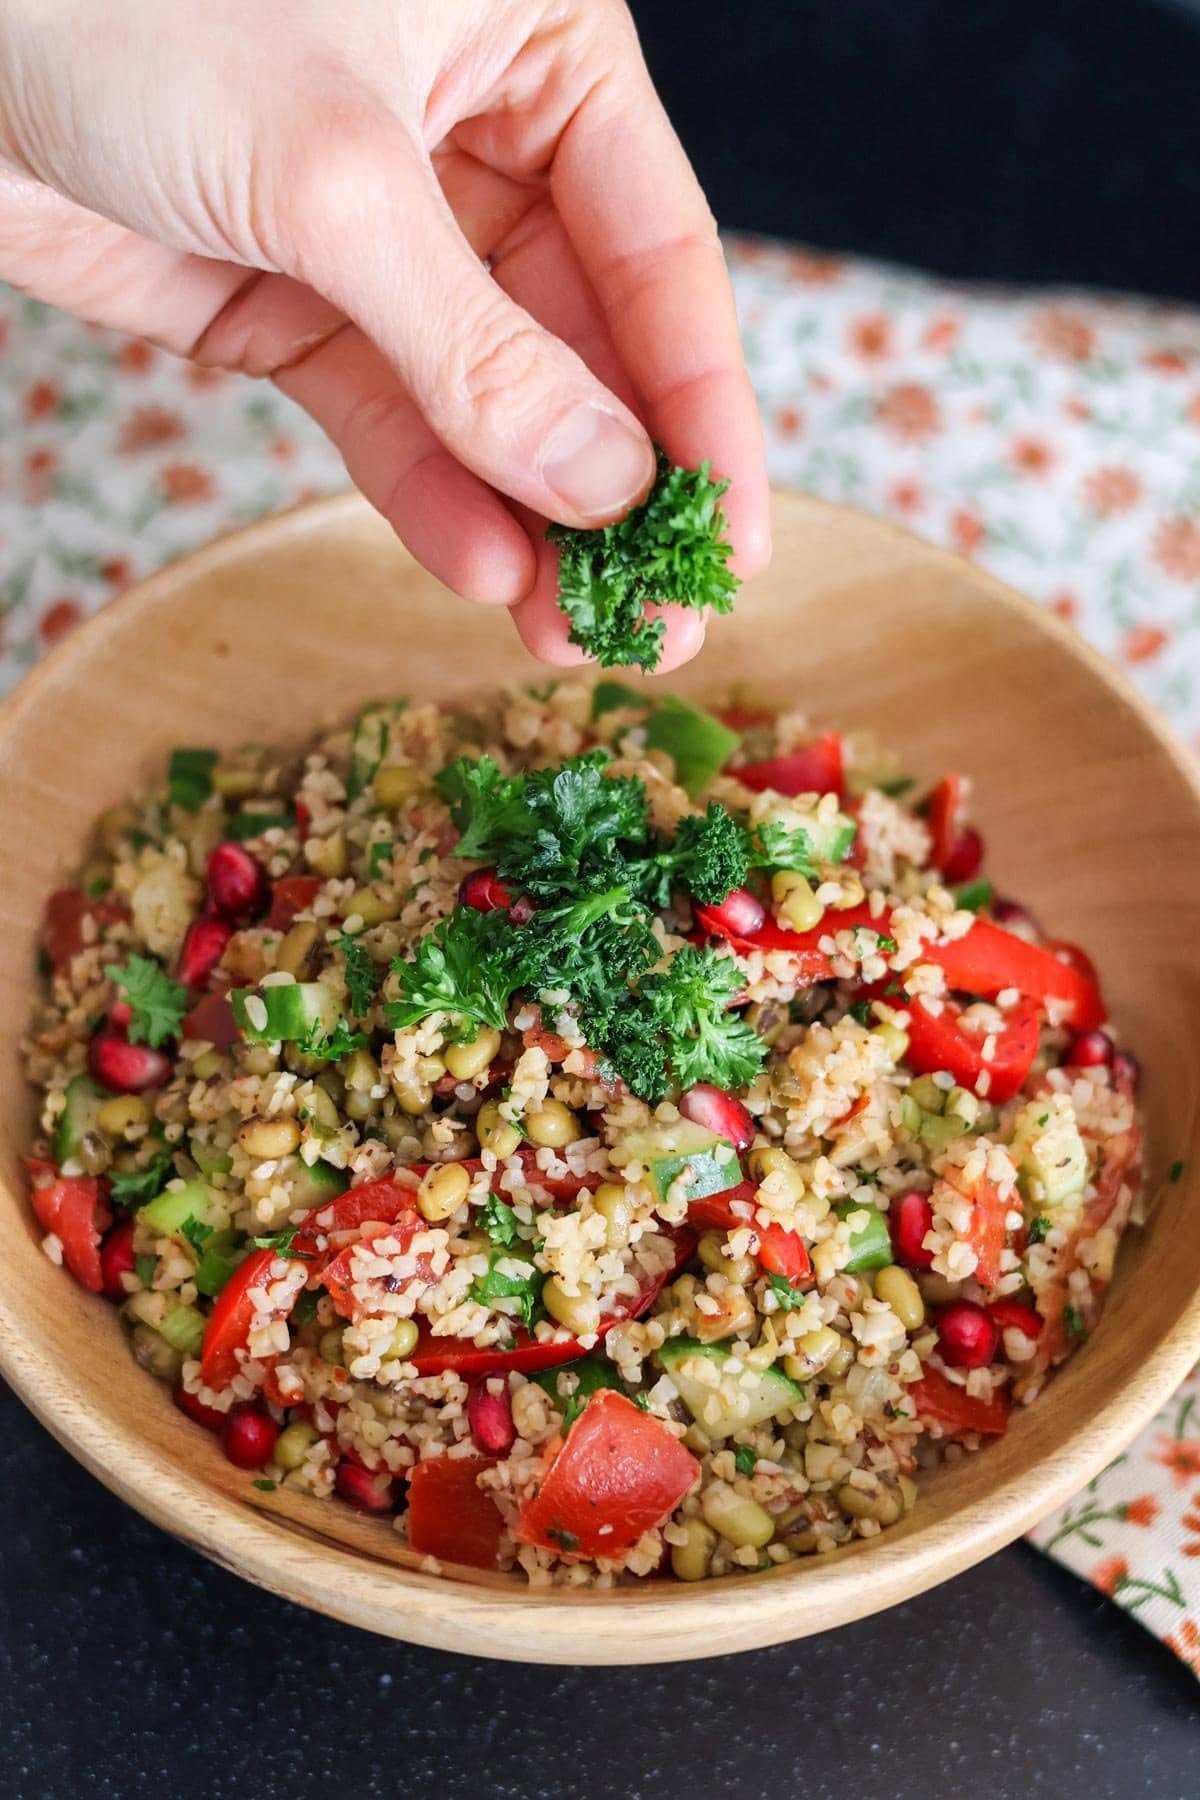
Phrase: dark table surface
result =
(129, 1667)
(1025, 139)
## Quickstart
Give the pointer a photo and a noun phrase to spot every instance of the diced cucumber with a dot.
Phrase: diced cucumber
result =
(1050, 1154)
(253, 824)
(170, 1211)
(291, 1011)
(221, 1254)
(313, 1184)
(871, 1244)
(369, 743)
(189, 777)
(183, 1328)
(697, 743)
(211, 1162)
(83, 1101)
(738, 1400)
(667, 1151)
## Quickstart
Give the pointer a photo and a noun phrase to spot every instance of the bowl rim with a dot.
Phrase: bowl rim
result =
(521, 1624)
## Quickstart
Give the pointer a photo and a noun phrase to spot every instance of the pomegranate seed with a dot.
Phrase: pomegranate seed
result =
(490, 1418)
(125, 1068)
(370, 1493)
(739, 913)
(237, 886)
(967, 1336)
(1127, 1070)
(484, 891)
(1015, 1315)
(910, 1216)
(965, 858)
(208, 1416)
(1072, 957)
(203, 948)
(1090, 1050)
(116, 1259)
(718, 1112)
(249, 1436)
(120, 1015)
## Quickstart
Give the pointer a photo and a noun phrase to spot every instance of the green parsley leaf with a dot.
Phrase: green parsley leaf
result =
(745, 1460)
(608, 696)
(704, 1040)
(264, 1484)
(378, 856)
(196, 1232)
(189, 777)
(252, 824)
(500, 1285)
(973, 896)
(1175, 1171)
(281, 1243)
(1073, 1323)
(887, 946)
(671, 548)
(331, 1046)
(487, 806)
(860, 1010)
(708, 857)
(642, 1402)
(566, 1540)
(361, 977)
(132, 1187)
(897, 788)
(144, 1268)
(572, 1408)
(499, 1221)
(1039, 1230)
(158, 1002)
(468, 964)
(789, 1297)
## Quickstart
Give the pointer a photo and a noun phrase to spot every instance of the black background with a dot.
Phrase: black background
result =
(980, 138)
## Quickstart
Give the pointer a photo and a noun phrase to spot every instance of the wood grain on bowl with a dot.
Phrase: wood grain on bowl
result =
(1092, 815)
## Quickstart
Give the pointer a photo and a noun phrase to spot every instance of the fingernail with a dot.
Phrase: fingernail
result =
(596, 464)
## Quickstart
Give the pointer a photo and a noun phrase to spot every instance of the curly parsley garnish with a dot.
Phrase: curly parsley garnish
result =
(671, 548)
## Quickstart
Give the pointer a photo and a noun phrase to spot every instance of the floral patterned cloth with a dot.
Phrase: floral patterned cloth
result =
(1054, 437)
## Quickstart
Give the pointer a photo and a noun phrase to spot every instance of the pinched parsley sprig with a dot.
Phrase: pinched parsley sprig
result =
(672, 548)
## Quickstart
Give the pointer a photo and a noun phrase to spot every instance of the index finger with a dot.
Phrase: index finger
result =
(644, 233)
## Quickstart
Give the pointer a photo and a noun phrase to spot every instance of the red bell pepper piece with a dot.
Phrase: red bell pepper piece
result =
(336, 1275)
(989, 959)
(726, 1211)
(940, 1401)
(62, 923)
(232, 1319)
(211, 1020)
(943, 815)
(74, 1208)
(450, 1516)
(819, 768)
(940, 1041)
(618, 1475)
(809, 961)
(434, 1355)
(745, 718)
(784, 1253)
(291, 895)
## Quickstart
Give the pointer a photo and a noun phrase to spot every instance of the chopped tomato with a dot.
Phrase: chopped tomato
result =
(619, 1473)
(450, 1516)
(294, 894)
(232, 1319)
(724, 1212)
(434, 1355)
(62, 923)
(211, 1020)
(784, 1253)
(940, 1401)
(75, 1209)
(943, 815)
(939, 1041)
(819, 768)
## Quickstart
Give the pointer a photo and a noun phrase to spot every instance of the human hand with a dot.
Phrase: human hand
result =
(310, 193)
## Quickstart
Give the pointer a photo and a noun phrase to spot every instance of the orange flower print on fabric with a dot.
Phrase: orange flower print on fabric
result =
(1111, 490)
(1180, 1457)
(967, 531)
(941, 333)
(1186, 1644)
(42, 400)
(187, 483)
(60, 617)
(871, 337)
(41, 466)
(906, 496)
(1142, 1511)
(910, 412)
(1031, 455)
(1191, 1524)
(135, 357)
(788, 422)
(1176, 548)
(1061, 333)
(1066, 606)
(1109, 1574)
(147, 428)
(812, 270)
(1167, 362)
(1143, 642)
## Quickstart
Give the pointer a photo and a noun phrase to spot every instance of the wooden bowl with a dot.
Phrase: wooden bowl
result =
(1092, 816)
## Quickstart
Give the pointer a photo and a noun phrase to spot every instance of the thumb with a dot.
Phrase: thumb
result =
(511, 401)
